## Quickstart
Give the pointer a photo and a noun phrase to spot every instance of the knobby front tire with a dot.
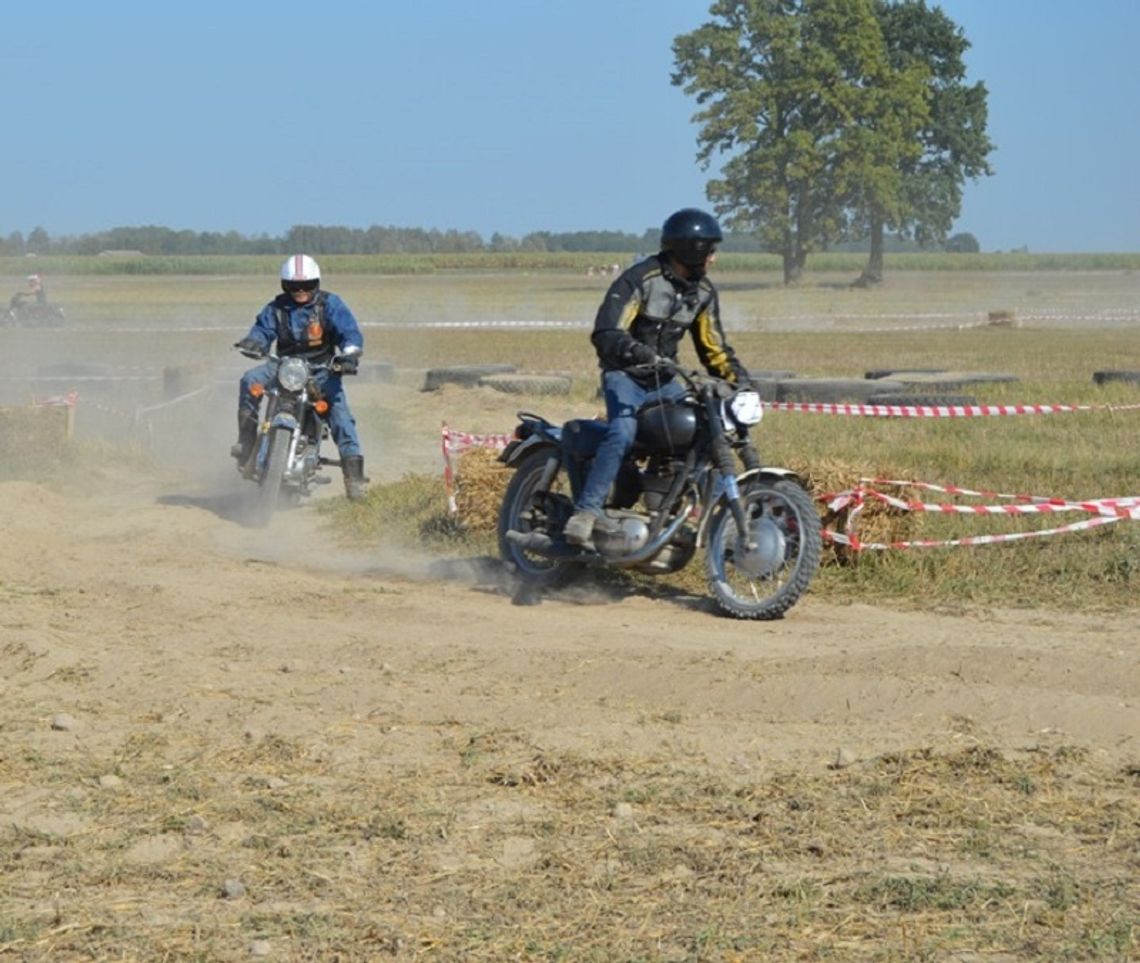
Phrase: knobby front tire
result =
(269, 492)
(781, 510)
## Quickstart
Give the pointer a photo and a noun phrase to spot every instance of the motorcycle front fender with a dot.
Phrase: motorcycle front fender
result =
(283, 419)
(770, 473)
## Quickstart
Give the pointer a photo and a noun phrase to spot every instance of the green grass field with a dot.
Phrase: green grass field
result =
(1070, 324)
(348, 831)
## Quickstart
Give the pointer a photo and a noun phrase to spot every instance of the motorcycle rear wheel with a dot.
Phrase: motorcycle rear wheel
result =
(538, 478)
(764, 584)
(269, 489)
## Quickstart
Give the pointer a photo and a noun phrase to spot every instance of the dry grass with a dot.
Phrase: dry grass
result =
(488, 847)
(389, 837)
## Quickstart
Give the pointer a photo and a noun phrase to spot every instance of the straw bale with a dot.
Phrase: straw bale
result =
(480, 482)
(877, 522)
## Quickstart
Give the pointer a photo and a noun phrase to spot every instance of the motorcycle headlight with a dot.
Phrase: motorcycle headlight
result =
(293, 373)
(746, 407)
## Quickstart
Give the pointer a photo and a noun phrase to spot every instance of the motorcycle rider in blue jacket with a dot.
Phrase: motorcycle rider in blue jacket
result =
(317, 325)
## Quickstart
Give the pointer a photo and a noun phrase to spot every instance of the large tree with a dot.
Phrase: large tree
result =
(814, 119)
(953, 142)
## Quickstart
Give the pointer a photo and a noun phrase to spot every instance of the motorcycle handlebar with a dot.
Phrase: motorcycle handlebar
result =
(698, 381)
(340, 364)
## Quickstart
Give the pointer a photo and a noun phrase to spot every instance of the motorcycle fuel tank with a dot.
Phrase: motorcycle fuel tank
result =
(667, 426)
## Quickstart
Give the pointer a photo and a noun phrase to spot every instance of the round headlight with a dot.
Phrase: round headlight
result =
(292, 373)
(746, 407)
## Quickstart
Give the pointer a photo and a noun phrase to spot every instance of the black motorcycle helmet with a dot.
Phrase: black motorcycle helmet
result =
(690, 235)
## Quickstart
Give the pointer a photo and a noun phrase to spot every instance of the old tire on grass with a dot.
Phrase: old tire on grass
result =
(924, 401)
(833, 390)
(467, 375)
(949, 380)
(879, 373)
(524, 384)
(1106, 377)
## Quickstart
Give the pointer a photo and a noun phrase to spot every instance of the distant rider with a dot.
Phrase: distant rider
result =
(317, 325)
(642, 319)
(35, 291)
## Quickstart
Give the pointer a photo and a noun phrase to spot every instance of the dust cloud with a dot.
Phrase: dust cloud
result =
(155, 415)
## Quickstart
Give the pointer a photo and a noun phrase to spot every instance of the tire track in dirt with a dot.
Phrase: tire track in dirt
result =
(130, 614)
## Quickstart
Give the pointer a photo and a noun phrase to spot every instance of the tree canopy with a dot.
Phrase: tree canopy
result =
(837, 118)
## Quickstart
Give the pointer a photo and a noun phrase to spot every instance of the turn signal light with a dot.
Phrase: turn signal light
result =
(257, 390)
(321, 407)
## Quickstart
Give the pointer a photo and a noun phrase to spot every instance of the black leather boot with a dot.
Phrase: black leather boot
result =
(355, 484)
(247, 438)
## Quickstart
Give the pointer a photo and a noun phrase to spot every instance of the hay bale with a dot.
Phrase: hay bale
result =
(33, 438)
(480, 481)
(1003, 319)
(877, 522)
(34, 427)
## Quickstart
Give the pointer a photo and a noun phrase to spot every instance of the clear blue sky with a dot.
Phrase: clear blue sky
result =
(501, 115)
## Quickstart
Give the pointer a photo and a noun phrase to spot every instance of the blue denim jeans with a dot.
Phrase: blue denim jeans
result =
(623, 397)
(342, 424)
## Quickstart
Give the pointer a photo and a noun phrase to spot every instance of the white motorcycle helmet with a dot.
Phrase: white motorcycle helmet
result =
(300, 273)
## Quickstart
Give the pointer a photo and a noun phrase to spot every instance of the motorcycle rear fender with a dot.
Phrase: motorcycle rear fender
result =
(517, 450)
(768, 474)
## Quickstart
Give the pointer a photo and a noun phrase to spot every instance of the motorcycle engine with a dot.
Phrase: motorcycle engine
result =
(654, 487)
(631, 534)
(311, 461)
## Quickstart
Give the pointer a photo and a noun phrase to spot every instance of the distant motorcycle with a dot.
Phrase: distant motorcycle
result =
(286, 460)
(678, 490)
(35, 314)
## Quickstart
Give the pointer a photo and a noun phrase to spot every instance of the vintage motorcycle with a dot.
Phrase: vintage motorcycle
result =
(678, 490)
(34, 313)
(286, 460)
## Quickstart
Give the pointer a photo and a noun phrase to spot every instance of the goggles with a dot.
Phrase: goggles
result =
(294, 286)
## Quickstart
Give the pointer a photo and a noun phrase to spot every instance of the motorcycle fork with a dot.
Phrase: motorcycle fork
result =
(724, 463)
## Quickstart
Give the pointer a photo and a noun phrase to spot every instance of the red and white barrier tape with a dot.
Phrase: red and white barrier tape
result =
(852, 541)
(934, 411)
(57, 401)
(1105, 512)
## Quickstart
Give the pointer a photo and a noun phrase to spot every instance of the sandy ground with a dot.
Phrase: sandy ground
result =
(146, 596)
(150, 604)
(144, 624)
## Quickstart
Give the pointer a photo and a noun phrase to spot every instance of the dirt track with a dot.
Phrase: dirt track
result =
(145, 605)
(405, 764)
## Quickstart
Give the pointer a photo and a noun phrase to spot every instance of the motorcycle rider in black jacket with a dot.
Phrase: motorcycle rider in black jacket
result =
(643, 318)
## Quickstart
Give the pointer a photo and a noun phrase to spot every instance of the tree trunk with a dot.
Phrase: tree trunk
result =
(795, 258)
(873, 272)
(793, 267)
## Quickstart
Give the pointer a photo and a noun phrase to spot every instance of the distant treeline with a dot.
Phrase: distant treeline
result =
(322, 240)
(126, 262)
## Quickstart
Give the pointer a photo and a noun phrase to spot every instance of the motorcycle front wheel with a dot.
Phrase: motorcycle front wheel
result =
(538, 501)
(269, 488)
(764, 581)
